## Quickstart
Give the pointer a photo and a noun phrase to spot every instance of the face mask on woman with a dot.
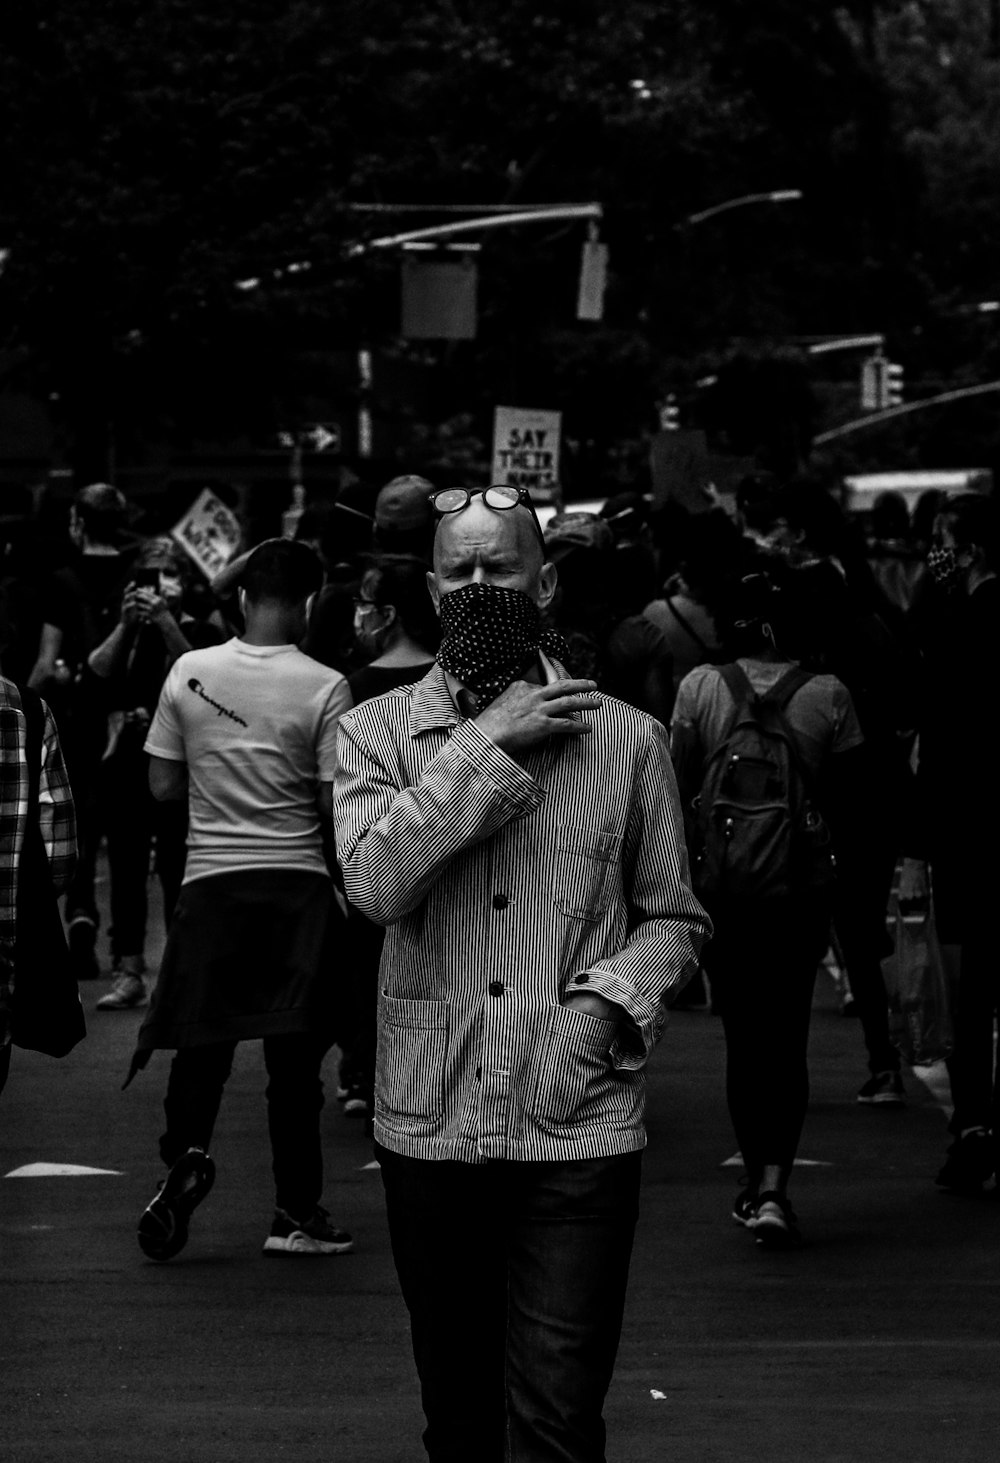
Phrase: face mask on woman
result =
(944, 568)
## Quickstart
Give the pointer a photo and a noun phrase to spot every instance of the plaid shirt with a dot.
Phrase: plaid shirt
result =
(504, 885)
(55, 815)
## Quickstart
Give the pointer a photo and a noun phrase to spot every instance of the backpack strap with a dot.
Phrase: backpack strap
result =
(686, 626)
(738, 683)
(779, 696)
(791, 682)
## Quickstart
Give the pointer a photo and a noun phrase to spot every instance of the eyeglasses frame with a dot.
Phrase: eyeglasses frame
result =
(523, 499)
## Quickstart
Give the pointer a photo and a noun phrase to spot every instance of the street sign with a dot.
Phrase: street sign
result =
(209, 533)
(526, 449)
(593, 281)
(439, 298)
(321, 436)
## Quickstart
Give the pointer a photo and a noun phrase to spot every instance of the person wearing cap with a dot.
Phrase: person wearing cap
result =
(603, 588)
(404, 519)
(520, 839)
(81, 608)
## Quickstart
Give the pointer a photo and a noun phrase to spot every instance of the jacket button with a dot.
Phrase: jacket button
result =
(500, 901)
(496, 987)
(581, 979)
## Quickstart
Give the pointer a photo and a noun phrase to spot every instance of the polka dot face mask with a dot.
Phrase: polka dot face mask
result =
(490, 635)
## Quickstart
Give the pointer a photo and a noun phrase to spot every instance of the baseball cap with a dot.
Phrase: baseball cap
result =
(403, 504)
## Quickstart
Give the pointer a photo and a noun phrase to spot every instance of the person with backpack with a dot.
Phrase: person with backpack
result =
(763, 753)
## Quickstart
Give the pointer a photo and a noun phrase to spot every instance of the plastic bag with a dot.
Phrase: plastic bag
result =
(918, 988)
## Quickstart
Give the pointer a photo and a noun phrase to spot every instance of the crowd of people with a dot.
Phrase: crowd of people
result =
(534, 785)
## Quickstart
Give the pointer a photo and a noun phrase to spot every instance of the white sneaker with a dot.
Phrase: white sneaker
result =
(126, 993)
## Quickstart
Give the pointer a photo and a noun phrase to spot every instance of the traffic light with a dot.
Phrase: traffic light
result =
(892, 384)
(872, 383)
(881, 384)
(670, 414)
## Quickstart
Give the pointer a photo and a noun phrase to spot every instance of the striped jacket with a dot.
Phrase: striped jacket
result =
(503, 884)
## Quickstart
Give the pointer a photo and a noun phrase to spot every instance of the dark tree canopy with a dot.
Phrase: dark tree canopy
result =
(156, 154)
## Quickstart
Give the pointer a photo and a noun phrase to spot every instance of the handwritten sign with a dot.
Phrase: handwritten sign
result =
(209, 533)
(526, 449)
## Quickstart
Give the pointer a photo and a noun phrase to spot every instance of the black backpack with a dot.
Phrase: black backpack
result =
(757, 833)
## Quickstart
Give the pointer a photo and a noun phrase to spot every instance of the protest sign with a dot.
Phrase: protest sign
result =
(209, 533)
(526, 450)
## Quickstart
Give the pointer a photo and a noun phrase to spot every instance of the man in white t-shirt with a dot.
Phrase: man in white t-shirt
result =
(246, 731)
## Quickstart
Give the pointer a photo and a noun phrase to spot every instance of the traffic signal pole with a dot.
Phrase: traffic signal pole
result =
(874, 418)
(476, 225)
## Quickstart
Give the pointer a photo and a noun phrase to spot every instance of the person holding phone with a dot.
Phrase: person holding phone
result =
(132, 663)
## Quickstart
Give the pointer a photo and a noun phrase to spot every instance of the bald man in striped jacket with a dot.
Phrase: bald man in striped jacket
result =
(519, 836)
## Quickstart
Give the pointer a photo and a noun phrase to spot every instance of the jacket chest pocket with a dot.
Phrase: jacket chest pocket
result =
(586, 870)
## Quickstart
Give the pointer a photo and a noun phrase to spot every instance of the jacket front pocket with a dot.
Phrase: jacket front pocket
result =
(573, 1075)
(409, 1076)
(586, 871)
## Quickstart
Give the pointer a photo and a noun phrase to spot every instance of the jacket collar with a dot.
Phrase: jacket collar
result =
(432, 704)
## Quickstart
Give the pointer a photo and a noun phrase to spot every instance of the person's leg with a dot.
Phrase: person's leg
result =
(81, 913)
(571, 1227)
(294, 1103)
(194, 1092)
(860, 923)
(448, 1229)
(198, 1075)
(127, 803)
(763, 972)
(4, 1065)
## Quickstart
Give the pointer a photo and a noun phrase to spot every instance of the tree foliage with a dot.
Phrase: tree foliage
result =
(157, 154)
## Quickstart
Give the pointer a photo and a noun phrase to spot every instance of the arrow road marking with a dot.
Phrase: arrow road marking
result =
(59, 1171)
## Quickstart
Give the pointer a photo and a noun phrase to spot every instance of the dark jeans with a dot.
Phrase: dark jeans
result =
(762, 964)
(132, 820)
(514, 1275)
(975, 1079)
(362, 942)
(859, 920)
(4, 1066)
(198, 1075)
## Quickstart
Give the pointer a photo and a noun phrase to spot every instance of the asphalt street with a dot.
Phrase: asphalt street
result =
(877, 1340)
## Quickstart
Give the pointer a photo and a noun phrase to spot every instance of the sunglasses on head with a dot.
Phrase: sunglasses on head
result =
(500, 496)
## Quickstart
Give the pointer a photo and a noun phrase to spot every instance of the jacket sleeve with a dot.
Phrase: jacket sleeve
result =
(666, 924)
(56, 813)
(394, 841)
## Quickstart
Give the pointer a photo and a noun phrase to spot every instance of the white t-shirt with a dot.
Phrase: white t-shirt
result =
(257, 727)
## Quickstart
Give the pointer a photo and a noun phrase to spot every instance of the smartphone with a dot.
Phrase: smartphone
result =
(146, 578)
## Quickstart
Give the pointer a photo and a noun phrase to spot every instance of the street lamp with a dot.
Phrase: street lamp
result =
(778, 195)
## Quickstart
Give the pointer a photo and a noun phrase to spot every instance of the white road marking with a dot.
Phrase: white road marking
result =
(367, 1167)
(737, 1162)
(59, 1171)
(657, 1396)
(935, 1079)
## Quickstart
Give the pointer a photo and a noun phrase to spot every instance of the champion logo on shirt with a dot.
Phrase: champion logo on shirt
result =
(199, 690)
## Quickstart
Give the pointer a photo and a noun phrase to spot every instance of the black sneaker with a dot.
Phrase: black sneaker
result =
(163, 1225)
(970, 1163)
(745, 1208)
(81, 936)
(885, 1089)
(313, 1236)
(775, 1226)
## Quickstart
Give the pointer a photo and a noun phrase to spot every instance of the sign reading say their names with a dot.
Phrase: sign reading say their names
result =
(526, 449)
(209, 533)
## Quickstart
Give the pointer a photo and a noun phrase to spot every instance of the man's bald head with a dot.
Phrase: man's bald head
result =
(483, 545)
